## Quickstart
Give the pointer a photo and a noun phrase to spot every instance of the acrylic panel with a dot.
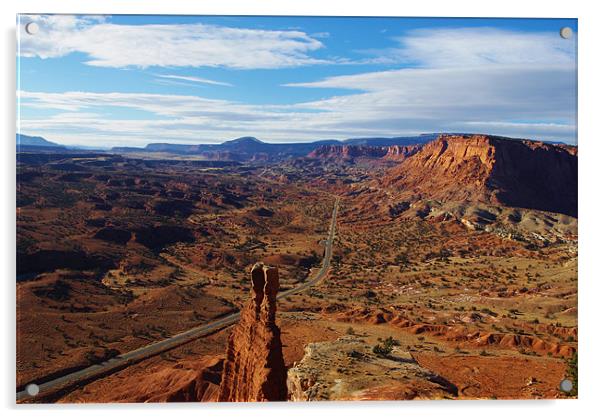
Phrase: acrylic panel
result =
(247, 208)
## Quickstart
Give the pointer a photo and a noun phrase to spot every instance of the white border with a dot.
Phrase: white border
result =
(590, 203)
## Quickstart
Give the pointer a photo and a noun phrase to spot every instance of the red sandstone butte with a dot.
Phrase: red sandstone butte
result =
(347, 152)
(401, 152)
(491, 169)
(350, 152)
(254, 369)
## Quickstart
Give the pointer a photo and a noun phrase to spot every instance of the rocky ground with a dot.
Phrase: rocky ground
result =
(348, 369)
(114, 254)
(454, 294)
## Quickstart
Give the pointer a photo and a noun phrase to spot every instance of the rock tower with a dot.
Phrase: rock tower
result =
(254, 369)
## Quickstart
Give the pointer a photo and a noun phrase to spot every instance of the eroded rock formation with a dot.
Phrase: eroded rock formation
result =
(254, 368)
(187, 380)
(490, 169)
(400, 152)
(349, 152)
(345, 369)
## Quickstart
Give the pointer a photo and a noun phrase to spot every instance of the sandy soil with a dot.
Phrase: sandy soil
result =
(489, 306)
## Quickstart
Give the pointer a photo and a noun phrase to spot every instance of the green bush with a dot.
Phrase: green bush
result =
(386, 347)
(382, 350)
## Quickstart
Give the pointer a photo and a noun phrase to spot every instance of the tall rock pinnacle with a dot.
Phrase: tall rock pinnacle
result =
(254, 368)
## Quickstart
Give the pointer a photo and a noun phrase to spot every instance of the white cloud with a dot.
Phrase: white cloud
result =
(463, 80)
(477, 47)
(507, 91)
(194, 79)
(166, 105)
(524, 130)
(460, 78)
(85, 116)
(174, 118)
(173, 45)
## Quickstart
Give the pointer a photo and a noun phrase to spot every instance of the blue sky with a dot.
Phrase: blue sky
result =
(132, 80)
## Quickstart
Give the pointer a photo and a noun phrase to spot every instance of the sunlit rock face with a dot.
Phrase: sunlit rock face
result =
(254, 369)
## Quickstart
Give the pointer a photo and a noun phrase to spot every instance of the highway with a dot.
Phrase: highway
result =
(121, 361)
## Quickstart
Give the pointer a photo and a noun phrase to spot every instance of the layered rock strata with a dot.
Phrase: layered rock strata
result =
(254, 369)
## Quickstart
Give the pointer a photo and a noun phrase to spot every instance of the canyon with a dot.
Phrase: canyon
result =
(455, 257)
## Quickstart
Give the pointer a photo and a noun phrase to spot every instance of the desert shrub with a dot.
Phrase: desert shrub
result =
(489, 312)
(391, 341)
(370, 294)
(355, 354)
(382, 350)
(386, 347)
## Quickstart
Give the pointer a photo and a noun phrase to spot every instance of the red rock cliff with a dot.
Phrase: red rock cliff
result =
(401, 152)
(349, 152)
(491, 169)
(254, 368)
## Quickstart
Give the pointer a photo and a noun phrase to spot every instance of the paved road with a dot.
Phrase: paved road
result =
(123, 360)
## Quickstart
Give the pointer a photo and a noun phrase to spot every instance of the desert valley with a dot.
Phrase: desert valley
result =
(431, 267)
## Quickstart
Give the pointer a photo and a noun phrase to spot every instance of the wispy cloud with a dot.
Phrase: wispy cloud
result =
(477, 47)
(460, 80)
(182, 118)
(173, 45)
(194, 79)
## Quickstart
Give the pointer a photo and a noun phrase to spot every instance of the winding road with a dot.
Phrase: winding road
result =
(121, 361)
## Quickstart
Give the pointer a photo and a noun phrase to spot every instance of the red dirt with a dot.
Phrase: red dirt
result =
(464, 335)
(500, 377)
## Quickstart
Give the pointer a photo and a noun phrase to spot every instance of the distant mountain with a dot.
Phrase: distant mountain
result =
(244, 141)
(35, 141)
(252, 149)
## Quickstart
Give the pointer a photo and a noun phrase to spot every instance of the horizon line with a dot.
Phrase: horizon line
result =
(551, 141)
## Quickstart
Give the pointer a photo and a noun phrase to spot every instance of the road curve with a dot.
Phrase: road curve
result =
(121, 361)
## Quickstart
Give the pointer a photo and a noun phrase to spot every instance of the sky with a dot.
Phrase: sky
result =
(132, 80)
